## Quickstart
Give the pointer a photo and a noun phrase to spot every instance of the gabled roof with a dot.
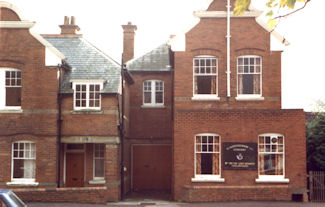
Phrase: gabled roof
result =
(155, 60)
(87, 63)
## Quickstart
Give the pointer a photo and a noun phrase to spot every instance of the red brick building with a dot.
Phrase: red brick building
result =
(59, 113)
(231, 139)
(199, 118)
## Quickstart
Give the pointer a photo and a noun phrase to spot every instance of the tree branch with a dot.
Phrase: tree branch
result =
(285, 15)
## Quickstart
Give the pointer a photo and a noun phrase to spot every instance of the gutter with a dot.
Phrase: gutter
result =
(63, 66)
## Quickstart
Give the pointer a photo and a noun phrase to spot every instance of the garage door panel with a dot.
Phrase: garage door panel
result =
(151, 167)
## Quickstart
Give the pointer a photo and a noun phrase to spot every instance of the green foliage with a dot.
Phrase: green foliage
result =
(315, 133)
(273, 5)
(241, 6)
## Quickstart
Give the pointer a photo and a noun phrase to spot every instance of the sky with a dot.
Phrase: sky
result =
(303, 68)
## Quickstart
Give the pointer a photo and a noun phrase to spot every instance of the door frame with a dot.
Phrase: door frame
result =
(132, 145)
(81, 151)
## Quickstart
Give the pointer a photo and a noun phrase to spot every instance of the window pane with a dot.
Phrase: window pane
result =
(147, 97)
(251, 69)
(251, 61)
(18, 171)
(206, 163)
(97, 103)
(240, 69)
(245, 69)
(13, 96)
(159, 97)
(99, 168)
(214, 62)
(196, 62)
(240, 61)
(202, 62)
(247, 84)
(204, 84)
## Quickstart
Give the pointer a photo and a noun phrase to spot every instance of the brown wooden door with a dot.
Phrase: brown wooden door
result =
(151, 167)
(74, 169)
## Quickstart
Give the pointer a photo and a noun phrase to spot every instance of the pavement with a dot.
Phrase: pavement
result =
(158, 203)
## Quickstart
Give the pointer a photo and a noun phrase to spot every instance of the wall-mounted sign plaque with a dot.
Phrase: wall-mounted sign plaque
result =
(239, 156)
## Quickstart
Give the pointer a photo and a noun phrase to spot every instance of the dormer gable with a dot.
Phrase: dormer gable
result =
(7, 14)
(220, 5)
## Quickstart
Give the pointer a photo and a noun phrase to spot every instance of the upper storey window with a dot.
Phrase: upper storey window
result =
(249, 71)
(153, 92)
(10, 88)
(205, 76)
(87, 95)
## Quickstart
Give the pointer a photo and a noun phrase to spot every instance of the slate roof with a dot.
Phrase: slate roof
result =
(155, 60)
(87, 63)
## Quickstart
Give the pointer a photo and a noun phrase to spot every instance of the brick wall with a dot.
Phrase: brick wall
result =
(148, 122)
(238, 126)
(103, 123)
(99, 195)
(37, 121)
(247, 38)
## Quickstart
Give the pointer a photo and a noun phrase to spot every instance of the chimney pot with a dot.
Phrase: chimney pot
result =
(73, 20)
(66, 20)
(69, 28)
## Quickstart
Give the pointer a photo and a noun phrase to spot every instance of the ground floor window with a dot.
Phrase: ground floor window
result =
(207, 155)
(99, 154)
(271, 155)
(23, 160)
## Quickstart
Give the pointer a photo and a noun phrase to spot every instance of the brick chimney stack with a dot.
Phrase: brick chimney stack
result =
(128, 41)
(69, 28)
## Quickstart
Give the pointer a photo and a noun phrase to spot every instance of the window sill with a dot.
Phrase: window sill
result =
(11, 111)
(249, 98)
(208, 179)
(22, 183)
(87, 111)
(94, 182)
(272, 180)
(153, 106)
(205, 98)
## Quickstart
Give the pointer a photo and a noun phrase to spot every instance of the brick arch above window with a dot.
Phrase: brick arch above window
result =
(249, 51)
(206, 51)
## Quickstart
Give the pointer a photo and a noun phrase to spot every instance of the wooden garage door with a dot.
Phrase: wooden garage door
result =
(152, 167)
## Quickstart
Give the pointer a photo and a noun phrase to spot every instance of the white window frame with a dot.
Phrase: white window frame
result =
(153, 93)
(205, 96)
(94, 159)
(208, 178)
(250, 96)
(87, 83)
(271, 178)
(3, 89)
(22, 181)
